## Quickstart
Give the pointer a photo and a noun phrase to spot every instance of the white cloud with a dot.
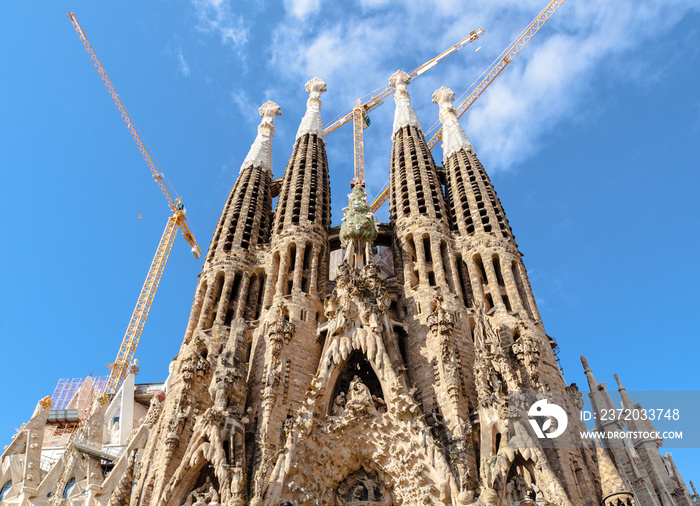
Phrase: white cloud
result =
(301, 9)
(247, 107)
(550, 82)
(216, 16)
(373, 4)
(184, 67)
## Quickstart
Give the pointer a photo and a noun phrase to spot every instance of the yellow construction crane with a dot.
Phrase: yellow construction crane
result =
(143, 305)
(493, 71)
(177, 220)
(359, 117)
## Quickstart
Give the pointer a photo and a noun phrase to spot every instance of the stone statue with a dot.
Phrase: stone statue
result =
(359, 399)
(338, 406)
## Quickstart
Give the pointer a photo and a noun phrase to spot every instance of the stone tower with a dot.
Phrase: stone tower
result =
(197, 436)
(434, 339)
(293, 298)
(364, 364)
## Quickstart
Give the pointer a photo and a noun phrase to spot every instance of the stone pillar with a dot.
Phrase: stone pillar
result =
(494, 287)
(420, 260)
(224, 300)
(474, 279)
(270, 282)
(207, 308)
(512, 288)
(298, 266)
(282, 272)
(314, 268)
(254, 292)
(455, 275)
(243, 297)
(438, 268)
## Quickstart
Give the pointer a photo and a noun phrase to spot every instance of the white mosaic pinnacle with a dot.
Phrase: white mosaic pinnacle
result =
(453, 136)
(312, 123)
(404, 114)
(260, 153)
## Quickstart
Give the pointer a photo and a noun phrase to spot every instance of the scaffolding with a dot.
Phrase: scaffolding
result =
(64, 392)
(77, 393)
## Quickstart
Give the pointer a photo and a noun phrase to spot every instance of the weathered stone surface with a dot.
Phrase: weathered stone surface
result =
(385, 382)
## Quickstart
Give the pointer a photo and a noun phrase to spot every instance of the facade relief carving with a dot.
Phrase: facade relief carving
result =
(526, 349)
(217, 445)
(441, 323)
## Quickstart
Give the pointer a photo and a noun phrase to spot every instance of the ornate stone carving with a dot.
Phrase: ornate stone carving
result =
(356, 313)
(279, 328)
(361, 488)
(359, 400)
(493, 372)
(320, 450)
(202, 367)
(527, 350)
(441, 323)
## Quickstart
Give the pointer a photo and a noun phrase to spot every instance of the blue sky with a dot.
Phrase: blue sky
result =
(590, 136)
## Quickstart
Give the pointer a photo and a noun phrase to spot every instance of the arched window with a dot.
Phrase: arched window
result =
(5, 490)
(69, 488)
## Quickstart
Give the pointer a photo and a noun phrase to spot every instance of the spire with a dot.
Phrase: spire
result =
(404, 115)
(615, 492)
(312, 123)
(453, 137)
(624, 397)
(260, 153)
(619, 383)
(592, 383)
(305, 193)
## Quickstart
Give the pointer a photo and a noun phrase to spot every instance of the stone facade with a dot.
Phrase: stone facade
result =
(371, 385)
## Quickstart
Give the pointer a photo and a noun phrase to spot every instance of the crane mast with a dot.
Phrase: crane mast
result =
(495, 69)
(129, 343)
(177, 220)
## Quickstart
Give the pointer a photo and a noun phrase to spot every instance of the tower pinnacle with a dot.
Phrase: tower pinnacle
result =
(619, 383)
(404, 115)
(453, 137)
(592, 383)
(312, 123)
(261, 150)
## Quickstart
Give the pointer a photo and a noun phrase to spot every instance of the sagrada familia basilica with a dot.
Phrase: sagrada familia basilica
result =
(365, 364)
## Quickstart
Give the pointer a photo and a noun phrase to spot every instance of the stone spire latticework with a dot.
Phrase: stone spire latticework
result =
(489, 263)
(305, 195)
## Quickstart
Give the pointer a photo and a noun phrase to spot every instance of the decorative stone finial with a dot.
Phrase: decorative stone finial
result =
(134, 368)
(260, 153)
(312, 123)
(619, 383)
(592, 383)
(453, 136)
(584, 362)
(358, 226)
(404, 115)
